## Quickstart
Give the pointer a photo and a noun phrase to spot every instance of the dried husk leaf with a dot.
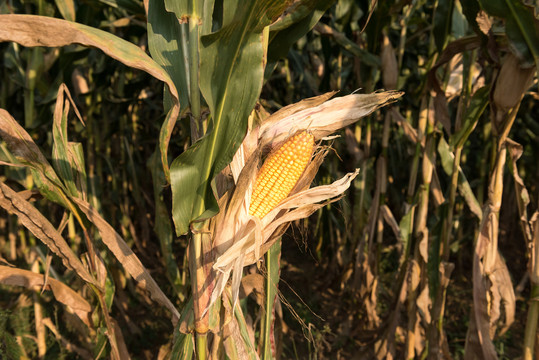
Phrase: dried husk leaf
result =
(246, 250)
(237, 208)
(304, 201)
(291, 109)
(325, 119)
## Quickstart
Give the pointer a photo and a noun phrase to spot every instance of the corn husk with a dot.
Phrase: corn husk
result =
(241, 239)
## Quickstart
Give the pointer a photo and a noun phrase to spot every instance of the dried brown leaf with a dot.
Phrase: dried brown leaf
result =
(409, 131)
(38, 225)
(503, 295)
(441, 112)
(512, 83)
(297, 107)
(481, 304)
(23, 147)
(252, 283)
(62, 292)
(120, 342)
(390, 70)
(126, 257)
(523, 197)
(325, 119)
(484, 22)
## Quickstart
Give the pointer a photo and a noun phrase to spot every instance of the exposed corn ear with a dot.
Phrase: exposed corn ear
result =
(280, 173)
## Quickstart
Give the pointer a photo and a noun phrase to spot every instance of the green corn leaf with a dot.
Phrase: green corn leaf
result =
(183, 343)
(183, 348)
(185, 9)
(406, 229)
(446, 157)
(231, 75)
(163, 224)
(477, 106)
(165, 44)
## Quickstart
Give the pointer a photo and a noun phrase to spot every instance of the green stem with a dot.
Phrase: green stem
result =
(202, 346)
(272, 266)
(530, 334)
(452, 195)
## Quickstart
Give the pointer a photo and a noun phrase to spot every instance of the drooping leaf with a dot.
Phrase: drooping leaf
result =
(231, 74)
(62, 292)
(126, 256)
(42, 229)
(28, 154)
(31, 31)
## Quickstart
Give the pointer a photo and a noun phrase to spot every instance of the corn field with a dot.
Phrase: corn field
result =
(269, 179)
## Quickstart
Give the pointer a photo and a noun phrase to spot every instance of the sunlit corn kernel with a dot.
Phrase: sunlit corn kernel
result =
(280, 173)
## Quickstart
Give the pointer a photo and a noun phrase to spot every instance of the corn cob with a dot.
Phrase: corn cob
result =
(280, 173)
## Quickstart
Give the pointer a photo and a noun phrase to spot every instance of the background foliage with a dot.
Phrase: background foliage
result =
(392, 266)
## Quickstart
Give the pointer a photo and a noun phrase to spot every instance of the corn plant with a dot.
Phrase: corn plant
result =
(150, 220)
